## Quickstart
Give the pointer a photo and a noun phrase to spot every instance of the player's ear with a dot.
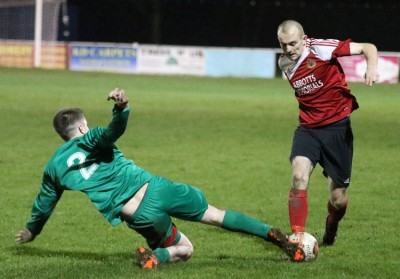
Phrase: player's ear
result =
(304, 39)
(82, 129)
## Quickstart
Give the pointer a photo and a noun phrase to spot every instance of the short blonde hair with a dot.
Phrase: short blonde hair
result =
(287, 25)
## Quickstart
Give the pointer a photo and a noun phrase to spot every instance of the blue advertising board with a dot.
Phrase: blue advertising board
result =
(235, 62)
(97, 57)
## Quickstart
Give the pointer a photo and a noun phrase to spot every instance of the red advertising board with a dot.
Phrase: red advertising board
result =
(355, 67)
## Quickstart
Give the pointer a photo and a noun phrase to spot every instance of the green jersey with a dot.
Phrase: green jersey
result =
(93, 165)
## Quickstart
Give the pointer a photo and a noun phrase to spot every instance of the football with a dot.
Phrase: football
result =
(308, 243)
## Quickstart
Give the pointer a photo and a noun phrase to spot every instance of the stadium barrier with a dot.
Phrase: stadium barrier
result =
(173, 60)
(20, 54)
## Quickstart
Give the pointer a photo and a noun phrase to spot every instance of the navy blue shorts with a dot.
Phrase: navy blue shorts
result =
(331, 146)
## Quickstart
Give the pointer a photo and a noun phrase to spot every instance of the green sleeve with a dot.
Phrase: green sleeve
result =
(43, 205)
(116, 127)
(105, 137)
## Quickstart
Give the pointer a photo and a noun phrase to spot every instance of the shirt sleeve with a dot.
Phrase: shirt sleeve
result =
(343, 49)
(105, 137)
(44, 205)
(327, 49)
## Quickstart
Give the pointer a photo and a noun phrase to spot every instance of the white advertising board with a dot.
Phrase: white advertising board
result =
(155, 59)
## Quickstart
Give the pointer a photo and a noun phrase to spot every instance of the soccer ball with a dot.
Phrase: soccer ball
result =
(308, 243)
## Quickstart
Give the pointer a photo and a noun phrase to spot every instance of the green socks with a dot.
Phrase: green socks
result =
(238, 222)
(162, 255)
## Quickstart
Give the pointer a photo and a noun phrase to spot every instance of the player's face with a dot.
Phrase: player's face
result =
(292, 43)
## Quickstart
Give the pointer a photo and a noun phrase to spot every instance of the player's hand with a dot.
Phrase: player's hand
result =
(371, 77)
(118, 95)
(24, 236)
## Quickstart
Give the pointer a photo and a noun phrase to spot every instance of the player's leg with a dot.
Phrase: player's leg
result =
(167, 245)
(186, 202)
(235, 221)
(302, 168)
(337, 206)
(304, 156)
(337, 195)
(182, 250)
(336, 159)
(238, 222)
(189, 203)
(152, 221)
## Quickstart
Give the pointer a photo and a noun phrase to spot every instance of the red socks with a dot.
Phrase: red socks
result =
(298, 209)
(335, 214)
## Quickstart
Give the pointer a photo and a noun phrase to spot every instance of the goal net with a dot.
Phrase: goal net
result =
(17, 19)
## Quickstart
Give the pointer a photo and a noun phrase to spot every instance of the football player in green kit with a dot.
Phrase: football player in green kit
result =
(90, 162)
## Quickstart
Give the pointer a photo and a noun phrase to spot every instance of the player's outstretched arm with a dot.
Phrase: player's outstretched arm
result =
(371, 55)
(24, 236)
(118, 95)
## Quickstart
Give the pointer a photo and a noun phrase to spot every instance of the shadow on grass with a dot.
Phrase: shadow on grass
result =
(29, 251)
(38, 262)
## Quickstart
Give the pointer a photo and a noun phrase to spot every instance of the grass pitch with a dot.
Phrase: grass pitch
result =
(230, 137)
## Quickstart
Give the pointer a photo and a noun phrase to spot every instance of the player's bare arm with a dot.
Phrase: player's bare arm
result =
(371, 55)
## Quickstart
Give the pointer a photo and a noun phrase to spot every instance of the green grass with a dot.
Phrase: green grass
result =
(230, 137)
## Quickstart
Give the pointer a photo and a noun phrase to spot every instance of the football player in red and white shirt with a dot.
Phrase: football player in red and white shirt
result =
(325, 102)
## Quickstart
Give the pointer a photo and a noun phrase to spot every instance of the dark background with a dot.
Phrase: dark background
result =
(230, 23)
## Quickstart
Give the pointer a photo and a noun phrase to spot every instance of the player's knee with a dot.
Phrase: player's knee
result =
(339, 202)
(338, 198)
(185, 247)
(189, 249)
(300, 180)
(302, 168)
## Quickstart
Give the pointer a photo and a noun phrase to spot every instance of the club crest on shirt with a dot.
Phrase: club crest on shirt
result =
(311, 63)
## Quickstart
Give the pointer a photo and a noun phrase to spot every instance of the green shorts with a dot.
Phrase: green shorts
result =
(163, 199)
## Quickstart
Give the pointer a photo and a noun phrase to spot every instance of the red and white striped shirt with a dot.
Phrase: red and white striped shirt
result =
(319, 82)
